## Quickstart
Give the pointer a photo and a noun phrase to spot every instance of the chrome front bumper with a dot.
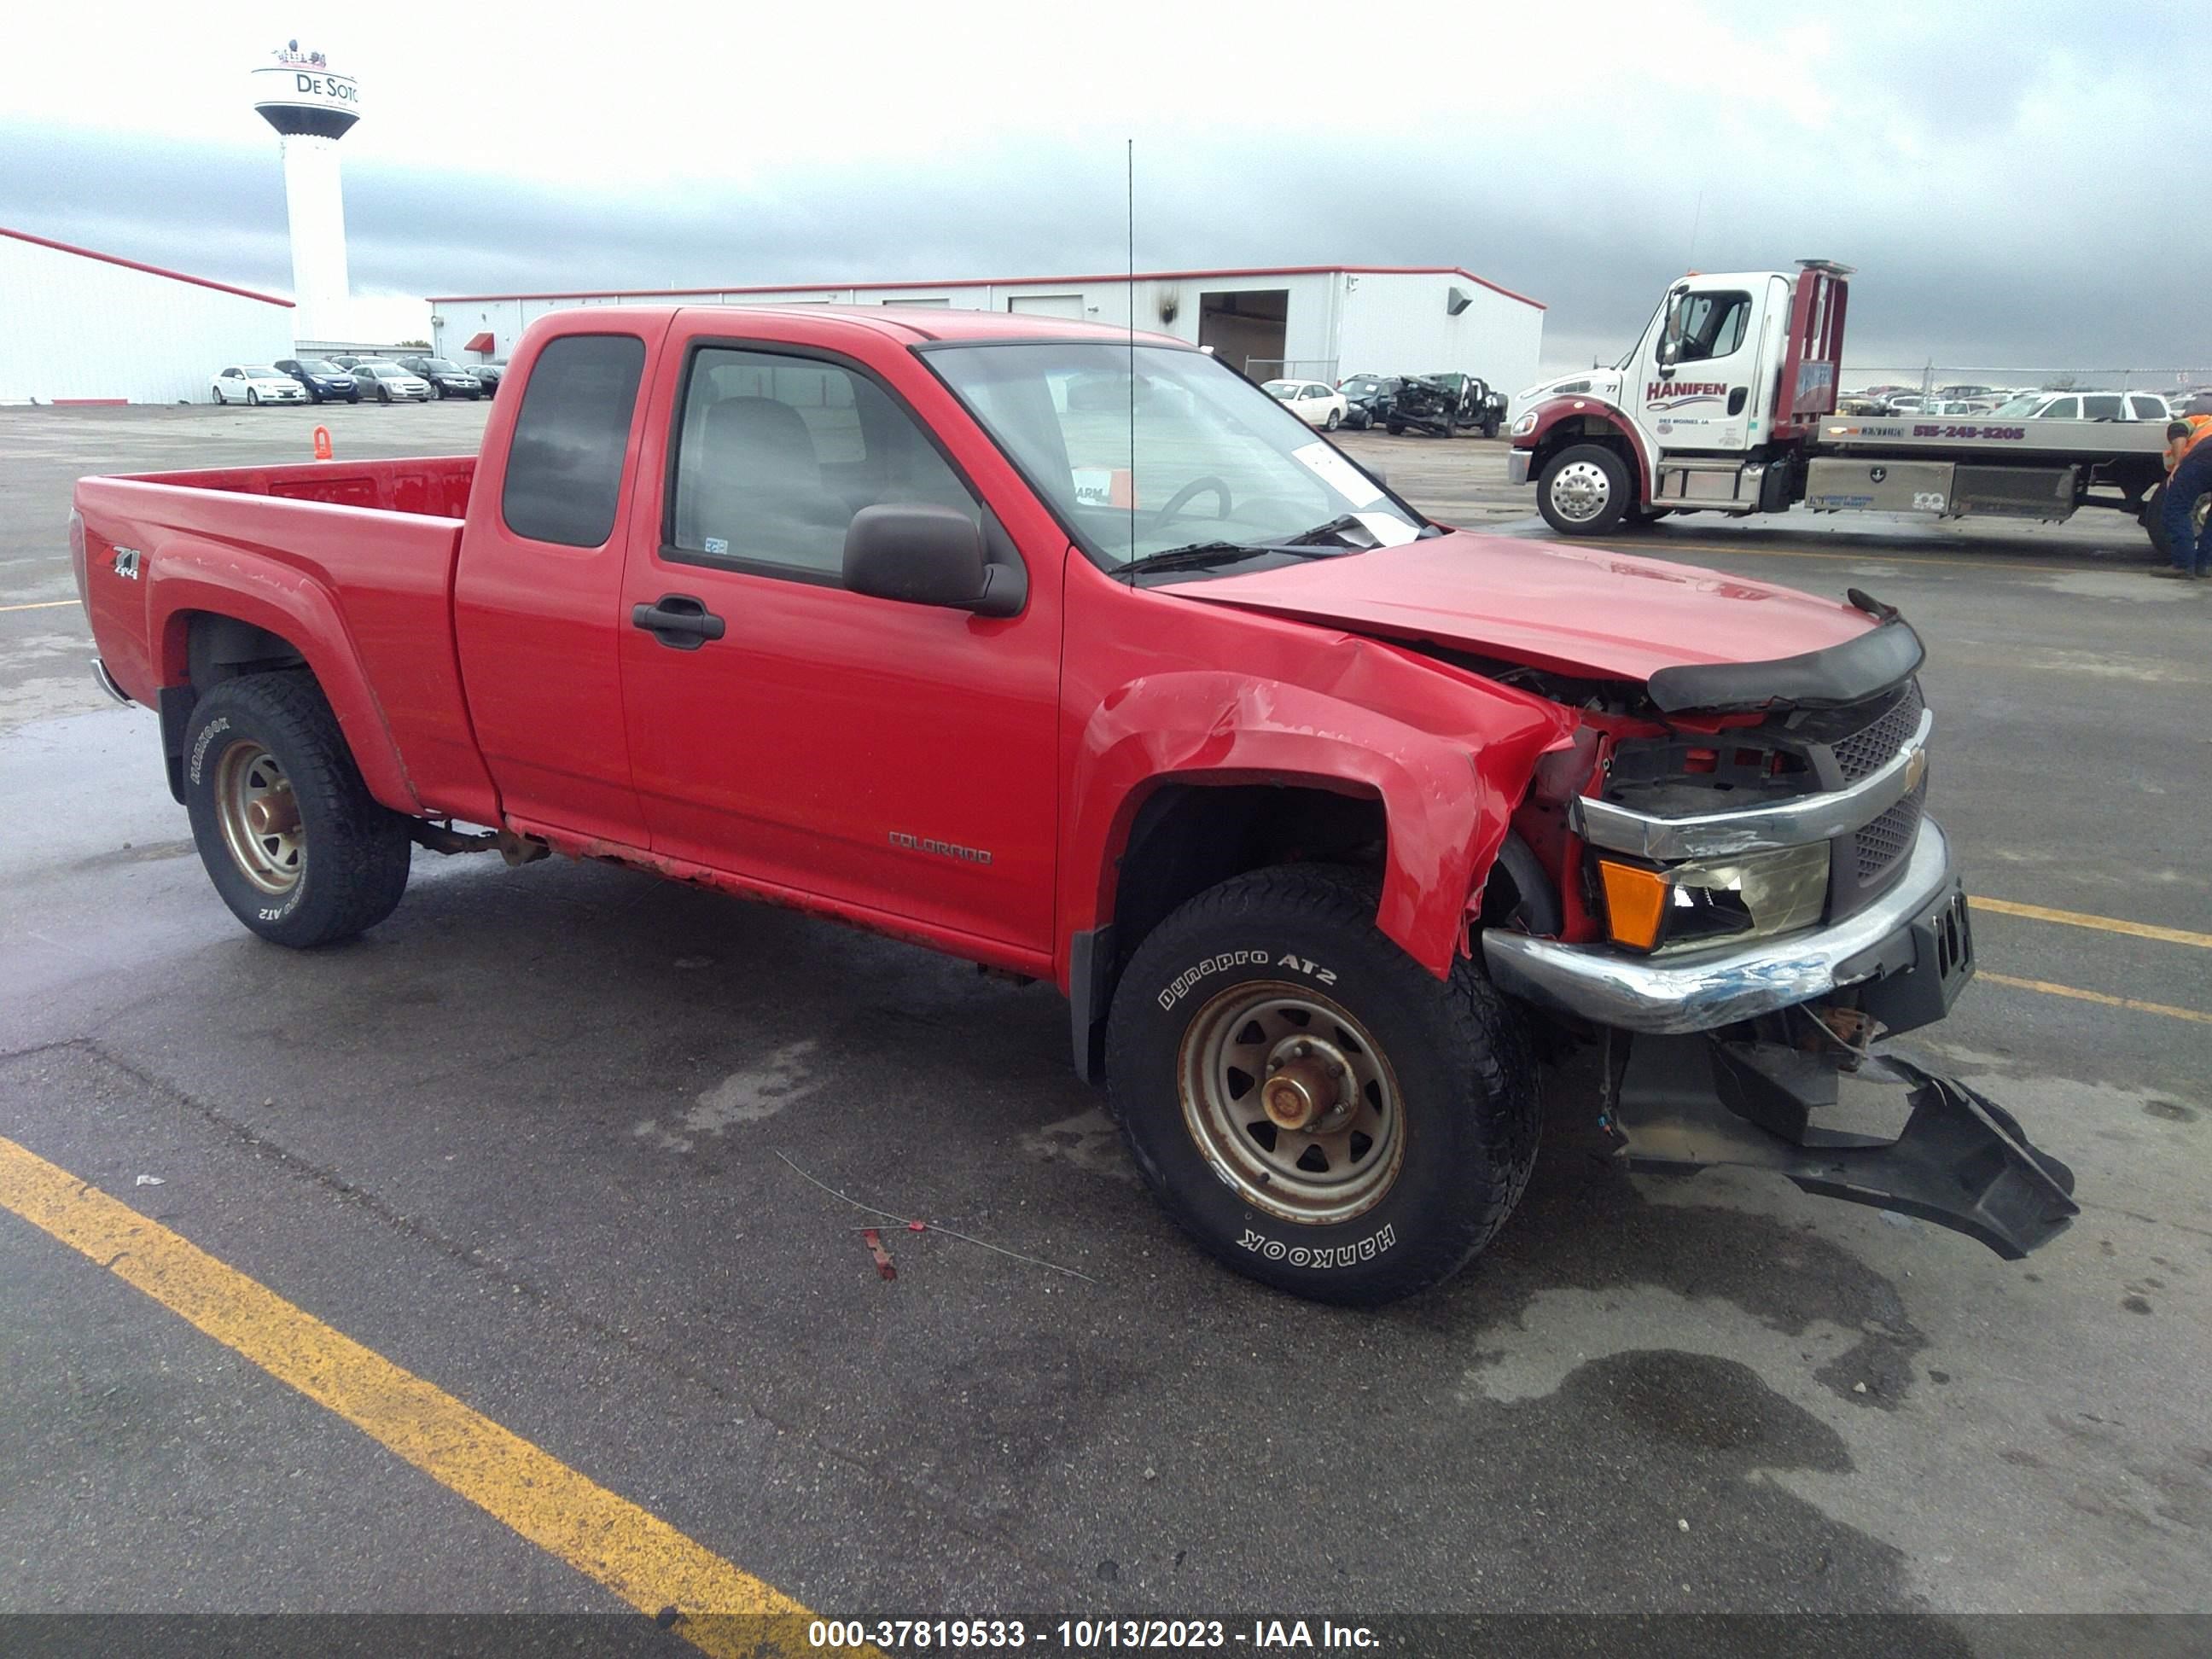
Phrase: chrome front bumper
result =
(1516, 465)
(1673, 995)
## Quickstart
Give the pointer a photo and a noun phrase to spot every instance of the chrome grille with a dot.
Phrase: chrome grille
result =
(1872, 746)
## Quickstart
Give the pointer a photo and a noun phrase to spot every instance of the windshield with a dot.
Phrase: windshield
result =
(2019, 406)
(264, 372)
(1284, 389)
(1360, 385)
(439, 365)
(382, 371)
(1214, 459)
(317, 366)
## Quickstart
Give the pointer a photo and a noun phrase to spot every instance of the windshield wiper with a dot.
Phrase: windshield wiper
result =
(1337, 526)
(1205, 556)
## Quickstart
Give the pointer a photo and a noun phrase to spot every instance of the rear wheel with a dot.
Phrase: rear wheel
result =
(1310, 1103)
(1584, 491)
(288, 831)
(2154, 520)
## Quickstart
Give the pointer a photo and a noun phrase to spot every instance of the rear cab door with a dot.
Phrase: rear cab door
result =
(536, 594)
(894, 759)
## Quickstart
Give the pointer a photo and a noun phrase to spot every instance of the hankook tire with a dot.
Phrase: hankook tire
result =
(294, 843)
(1310, 1104)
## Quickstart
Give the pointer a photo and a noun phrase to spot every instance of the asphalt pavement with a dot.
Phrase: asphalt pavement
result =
(543, 1140)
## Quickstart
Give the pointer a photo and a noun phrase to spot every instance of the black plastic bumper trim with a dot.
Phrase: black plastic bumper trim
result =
(1962, 1162)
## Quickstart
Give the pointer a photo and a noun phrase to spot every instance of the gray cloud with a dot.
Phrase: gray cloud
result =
(2005, 206)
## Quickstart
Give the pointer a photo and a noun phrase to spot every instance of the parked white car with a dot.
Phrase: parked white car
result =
(388, 383)
(1314, 402)
(2086, 406)
(257, 383)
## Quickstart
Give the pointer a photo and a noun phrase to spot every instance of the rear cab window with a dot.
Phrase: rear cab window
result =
(564, 468)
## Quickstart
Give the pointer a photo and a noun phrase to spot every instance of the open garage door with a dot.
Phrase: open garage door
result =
(1048, 305)
(1244, 326)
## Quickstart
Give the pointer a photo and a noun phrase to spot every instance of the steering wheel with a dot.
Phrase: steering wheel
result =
(1182, 498)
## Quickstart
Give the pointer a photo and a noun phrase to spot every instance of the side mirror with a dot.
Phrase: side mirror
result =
(1670, 333)
(927, 555)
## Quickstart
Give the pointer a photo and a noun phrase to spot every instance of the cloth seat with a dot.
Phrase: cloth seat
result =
(757, 485)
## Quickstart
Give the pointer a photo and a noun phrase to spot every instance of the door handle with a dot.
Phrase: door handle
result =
(1737, 398)
(677, 620)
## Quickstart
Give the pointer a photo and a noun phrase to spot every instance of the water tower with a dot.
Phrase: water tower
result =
(313, 108)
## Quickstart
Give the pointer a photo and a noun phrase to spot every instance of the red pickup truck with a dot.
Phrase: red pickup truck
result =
(1071, 652)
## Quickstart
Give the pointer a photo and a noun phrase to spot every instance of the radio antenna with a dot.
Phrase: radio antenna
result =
(1131, 192)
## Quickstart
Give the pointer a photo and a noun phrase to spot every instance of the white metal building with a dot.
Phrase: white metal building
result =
(1308, 322)
(81, 327)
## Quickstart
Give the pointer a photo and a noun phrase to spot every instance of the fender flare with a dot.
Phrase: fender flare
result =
(1553, 411)
(190, 575)
(1447, 801)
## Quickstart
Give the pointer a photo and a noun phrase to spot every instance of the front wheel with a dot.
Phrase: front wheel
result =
(384, 394)
(437, 391)
(252, 397)
(294, 841)
(1584, 491)
(1335, 420)
(1310, 1104)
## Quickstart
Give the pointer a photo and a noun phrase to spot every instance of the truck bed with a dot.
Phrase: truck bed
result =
(435, 486)
(350, 563)
(1945, 436)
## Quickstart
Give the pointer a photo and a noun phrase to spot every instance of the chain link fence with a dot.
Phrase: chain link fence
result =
(1930, 379)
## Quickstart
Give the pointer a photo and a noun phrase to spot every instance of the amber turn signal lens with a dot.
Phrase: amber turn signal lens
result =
(1635, 904)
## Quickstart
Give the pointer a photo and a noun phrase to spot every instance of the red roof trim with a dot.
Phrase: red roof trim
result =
(1010, 281)
(151, 271)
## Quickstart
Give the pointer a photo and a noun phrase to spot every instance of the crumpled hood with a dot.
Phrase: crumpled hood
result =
(1569, 608)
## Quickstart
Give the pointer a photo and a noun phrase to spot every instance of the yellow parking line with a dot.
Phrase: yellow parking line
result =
(636, 1554)
(2047, 989)
(43, 604)
(2102, 924)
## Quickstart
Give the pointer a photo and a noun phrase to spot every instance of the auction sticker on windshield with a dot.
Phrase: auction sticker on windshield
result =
(1338, 474)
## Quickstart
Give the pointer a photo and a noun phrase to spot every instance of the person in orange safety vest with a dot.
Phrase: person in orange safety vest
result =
(2188, 481)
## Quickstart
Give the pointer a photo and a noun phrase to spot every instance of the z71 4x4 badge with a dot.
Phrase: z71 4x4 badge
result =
(127, 560)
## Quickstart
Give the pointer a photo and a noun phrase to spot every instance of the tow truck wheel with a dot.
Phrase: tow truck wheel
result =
(291, 837)
(1584, 491)
(1310, 1104)
(2154, 521)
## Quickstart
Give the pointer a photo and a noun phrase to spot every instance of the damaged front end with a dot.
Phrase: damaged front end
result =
(1737, 996)
(1684, 1104)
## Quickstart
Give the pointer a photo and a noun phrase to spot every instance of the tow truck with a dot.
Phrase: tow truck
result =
(1727, 403)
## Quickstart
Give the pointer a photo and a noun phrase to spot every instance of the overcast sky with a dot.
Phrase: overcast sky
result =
(2020, 185)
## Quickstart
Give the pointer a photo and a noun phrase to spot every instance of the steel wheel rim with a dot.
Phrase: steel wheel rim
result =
(1581, 491)
(260, 818)
(1247, 1041)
